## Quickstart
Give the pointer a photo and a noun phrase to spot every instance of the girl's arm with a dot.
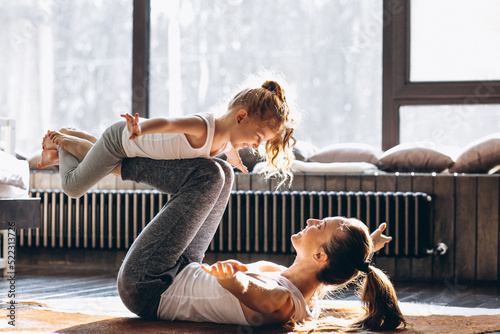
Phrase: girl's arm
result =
(189, 125)
(271, 300)
(234, 160)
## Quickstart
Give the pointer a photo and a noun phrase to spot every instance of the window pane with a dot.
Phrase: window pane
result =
(64, 63)
(454, 125)
(454, 40)
(329, 51)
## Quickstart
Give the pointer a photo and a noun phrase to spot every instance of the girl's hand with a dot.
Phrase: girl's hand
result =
(233, 158)
(236, 163)
(242, 167)
(379, 239)
(224, 269)
(133, 126)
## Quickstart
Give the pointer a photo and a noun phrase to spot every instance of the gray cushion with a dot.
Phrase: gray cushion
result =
(347, 152)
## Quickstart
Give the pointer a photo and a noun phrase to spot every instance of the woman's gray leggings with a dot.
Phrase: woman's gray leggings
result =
(180, 233)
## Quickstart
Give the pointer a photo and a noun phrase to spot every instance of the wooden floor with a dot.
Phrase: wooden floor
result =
(46, 284)
(59, 284)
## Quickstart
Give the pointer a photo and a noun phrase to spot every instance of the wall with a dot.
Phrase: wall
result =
(465, 217)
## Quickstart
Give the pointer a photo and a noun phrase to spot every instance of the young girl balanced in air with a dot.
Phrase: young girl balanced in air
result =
(254, 116)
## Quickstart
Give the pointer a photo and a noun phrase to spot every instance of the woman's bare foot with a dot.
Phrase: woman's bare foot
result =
(48, 158)
(78, 133)
(47, 143)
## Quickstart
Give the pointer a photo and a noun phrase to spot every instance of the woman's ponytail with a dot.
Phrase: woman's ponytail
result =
(380, 299)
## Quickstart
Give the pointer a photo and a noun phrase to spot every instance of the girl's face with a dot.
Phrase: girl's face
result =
(317, 233)
(250, 133)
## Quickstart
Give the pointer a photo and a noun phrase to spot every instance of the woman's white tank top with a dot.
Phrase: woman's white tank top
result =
(197, 296)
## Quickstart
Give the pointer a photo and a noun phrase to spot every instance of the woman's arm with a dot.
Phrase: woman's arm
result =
(379, 239)
(271, 300)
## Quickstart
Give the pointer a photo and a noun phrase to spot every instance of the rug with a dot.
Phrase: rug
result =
(37, 319)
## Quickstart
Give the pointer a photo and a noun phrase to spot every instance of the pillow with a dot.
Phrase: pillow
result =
(248, 156)
(494, 170)
(303, 150)
(14, 176)
(347, 152)
(415, 157)
(480, 156)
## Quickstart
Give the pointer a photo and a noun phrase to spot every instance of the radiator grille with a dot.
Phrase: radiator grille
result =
(254, 221)
(99, 219)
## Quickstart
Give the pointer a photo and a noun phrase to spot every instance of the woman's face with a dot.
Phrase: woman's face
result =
(316, 234)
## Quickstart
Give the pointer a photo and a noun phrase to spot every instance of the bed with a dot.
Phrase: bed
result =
(17, 209)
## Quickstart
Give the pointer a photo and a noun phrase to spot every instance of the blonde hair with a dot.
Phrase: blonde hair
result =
(346, 253)
(269, 105)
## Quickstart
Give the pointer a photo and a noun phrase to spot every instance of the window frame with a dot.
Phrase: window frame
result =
(398, 90)
(140, 57)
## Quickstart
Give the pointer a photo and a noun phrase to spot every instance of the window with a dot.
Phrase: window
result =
(64, 63)
(452, 125)
(454, 40)
(330, 52)
(70, 63)
(446, 86)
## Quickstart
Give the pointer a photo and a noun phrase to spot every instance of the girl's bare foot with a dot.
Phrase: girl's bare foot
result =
(75, 145)
(48, 158)
(117, 170)
(57, 138)
(78, 133)
(47, 143)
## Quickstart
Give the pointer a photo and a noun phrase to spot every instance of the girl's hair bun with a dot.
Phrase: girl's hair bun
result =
(275, 88)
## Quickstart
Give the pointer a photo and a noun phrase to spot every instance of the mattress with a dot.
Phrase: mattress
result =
(14, 177)
(328, 168)
(335, 167)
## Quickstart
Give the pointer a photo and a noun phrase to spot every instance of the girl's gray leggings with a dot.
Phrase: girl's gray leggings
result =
(180, 233)
(78, 177)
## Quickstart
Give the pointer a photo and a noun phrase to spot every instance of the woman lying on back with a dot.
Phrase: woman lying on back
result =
(332, 251)
(162, 275)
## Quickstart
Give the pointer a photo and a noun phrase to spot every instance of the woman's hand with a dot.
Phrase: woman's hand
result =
(224, 269)
(272, 301)
(133, 126)
(379, 239)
